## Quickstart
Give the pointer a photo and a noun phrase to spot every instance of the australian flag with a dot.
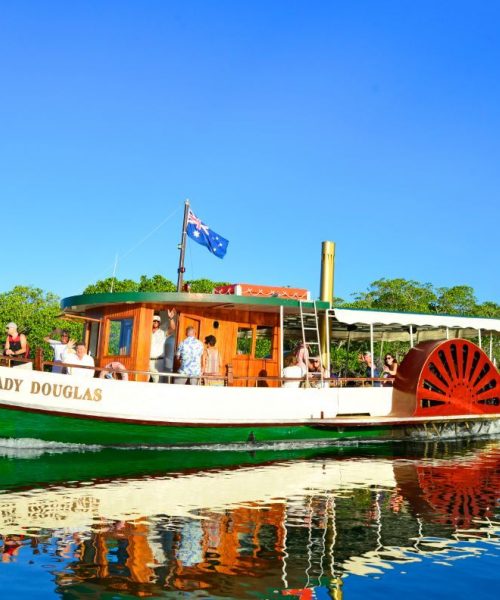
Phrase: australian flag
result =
(201, 233)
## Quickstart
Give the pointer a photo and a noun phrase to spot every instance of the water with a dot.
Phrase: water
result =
(356, 522)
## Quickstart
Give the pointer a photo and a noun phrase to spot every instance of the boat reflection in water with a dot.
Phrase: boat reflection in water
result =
(293, 528)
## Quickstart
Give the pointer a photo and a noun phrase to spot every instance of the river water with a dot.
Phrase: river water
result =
(375, 521)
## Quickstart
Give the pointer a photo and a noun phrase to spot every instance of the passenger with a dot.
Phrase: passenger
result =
(368, 360)
(79, 358)
(390, 368)
(114, 370)
(59, 347)
(16, 344)
(210, 361)
(170, 341)
(189, 352)
(302, 355)
(292, 371)
(317, 371)
(157, 351)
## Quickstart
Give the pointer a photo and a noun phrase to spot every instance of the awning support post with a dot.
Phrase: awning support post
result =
(371, 350)
(282, 335)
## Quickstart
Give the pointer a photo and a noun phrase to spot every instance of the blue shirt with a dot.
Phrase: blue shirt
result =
(190, 351)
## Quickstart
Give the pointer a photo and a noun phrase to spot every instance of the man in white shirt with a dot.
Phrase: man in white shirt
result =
(80, 358)
(157, 352)
(59, 347)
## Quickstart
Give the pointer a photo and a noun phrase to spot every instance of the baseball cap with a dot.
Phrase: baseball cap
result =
(11, 324)
(157, 318)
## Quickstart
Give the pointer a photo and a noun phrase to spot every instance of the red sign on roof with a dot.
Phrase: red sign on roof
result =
(262, 291)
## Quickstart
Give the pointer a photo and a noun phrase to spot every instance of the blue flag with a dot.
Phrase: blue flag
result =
(201, 233)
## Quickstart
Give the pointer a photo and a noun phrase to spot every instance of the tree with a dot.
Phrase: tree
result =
(396, 294)
(112, 285)
(157, 283)
(35, 312)
(204, 286)
(488, 309)
(456, 300)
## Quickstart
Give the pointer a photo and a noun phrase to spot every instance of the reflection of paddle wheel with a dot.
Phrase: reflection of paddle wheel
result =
(455, 493)
(460, 495)
(450, 377)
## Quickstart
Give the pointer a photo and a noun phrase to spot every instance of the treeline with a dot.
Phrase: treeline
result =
(411, 296)
(157, 283)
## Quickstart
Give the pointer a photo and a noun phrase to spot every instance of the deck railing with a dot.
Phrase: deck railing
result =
(312, 381)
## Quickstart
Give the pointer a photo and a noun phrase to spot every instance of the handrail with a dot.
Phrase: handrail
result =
(16, 359)
(326, 381)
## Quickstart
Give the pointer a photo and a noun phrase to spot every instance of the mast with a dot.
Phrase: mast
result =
(182, 248)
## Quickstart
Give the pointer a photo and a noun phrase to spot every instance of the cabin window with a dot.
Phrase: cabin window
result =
(120, 337)
(244, 340)
(264, 342)
(93, 329)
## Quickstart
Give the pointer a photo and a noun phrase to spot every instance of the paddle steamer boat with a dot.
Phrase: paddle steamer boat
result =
(446, 386)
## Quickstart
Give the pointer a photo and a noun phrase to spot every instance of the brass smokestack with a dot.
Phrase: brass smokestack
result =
(327, 269)
(326, 295)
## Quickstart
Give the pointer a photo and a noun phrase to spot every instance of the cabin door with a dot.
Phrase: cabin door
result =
(190, 322)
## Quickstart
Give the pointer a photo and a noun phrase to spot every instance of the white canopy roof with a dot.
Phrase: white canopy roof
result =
(375, 317)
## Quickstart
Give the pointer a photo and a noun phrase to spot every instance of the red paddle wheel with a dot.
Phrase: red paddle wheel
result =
(450, 377)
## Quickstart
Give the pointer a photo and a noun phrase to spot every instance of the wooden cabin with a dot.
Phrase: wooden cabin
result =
(247, 327)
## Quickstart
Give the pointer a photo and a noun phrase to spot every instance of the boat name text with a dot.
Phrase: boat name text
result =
(58, 390)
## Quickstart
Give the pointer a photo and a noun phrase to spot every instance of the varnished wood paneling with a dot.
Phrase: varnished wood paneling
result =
(205, 321)
(226, 335)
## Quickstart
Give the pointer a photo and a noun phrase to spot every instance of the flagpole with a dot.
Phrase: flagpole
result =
(182, 248)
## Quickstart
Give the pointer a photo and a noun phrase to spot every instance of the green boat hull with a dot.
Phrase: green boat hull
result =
(78, 430)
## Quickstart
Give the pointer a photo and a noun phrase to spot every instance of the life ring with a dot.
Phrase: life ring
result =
(114, 367)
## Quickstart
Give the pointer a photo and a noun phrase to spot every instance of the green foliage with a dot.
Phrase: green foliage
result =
(411, 296)
(112, 285)
(263, 348)
(204, 286)
(35, 313)
(457, 300)
(244, 340)
(114, 338)
(157, 283)
(488, 309)
(397, 294)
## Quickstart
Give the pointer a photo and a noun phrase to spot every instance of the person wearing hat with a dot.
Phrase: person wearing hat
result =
(16, 343)
(157, 352)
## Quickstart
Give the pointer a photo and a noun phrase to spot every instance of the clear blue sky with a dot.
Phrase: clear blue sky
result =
(373, 124)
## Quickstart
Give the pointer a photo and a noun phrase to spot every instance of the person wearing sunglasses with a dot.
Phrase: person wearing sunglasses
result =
(59, 347)
(390, 367)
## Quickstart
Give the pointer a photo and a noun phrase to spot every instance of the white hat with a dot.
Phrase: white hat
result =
(11, 325)
(157, 318)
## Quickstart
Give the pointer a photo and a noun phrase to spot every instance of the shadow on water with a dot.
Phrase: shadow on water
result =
(259, 523)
